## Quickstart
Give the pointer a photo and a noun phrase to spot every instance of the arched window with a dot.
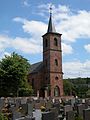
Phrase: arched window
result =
(46, 43)
(32, 83)
(56, 91)
(56, 78)
(55, 42)
(56, 62)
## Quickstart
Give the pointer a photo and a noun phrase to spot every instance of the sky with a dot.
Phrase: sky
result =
(23, 22)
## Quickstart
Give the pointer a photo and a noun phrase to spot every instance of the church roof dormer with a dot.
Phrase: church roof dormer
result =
(51, 27)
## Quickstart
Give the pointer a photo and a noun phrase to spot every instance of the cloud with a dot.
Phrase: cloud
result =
(76, 69)
(26, 45)
(4, 42)
(3, 54)
(26, 3)
(76, 26)
(66, 49)
(87, 48)
(36, 29)
(72, 24)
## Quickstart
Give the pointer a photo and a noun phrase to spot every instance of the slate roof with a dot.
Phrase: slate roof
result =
(51, 27)
(36, 67)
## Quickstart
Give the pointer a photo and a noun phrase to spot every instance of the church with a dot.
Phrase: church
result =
(46, 77)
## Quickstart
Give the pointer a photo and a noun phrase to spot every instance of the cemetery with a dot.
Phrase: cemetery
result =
(45, 80)
(30, 108)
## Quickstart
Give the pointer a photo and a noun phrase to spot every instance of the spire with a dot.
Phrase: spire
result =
(51, 27)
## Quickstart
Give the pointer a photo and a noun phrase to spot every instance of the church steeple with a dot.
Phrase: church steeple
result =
(51, 27)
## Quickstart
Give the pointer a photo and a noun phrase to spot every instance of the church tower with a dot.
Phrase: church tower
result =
(52, 61)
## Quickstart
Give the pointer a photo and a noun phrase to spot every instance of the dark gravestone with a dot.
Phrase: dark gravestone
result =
(48, 105)
(80, 108)
(24, 109)
(70, 115)
(67, 108)
(48, 116)
(57, 105)
(1, 103)
(86, 114)
(18, 102)
(87, 102)
(55, 112)
(16, 114)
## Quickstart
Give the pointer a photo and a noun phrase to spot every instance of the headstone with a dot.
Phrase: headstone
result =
(72, 101)
(86, 114)
(24, 109)
(70, 115)
(16, 115)
(48, 116)
(23, 101)
(1, 103)
(37, 114)
(80, 108)
(30, 109)
(57, 105)
(46, 94)
(37, 105)
(48, 105)
(37, 93)
(18, 102)
(87, 101)
(55, 112)
(67, 108)
(42, 102)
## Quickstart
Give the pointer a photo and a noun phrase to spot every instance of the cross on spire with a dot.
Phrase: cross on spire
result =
(50, 9)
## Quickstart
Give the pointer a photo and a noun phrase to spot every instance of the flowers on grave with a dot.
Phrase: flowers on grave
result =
(42, 108)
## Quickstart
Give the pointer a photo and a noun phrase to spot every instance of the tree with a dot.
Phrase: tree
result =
(13, 74)
(2, 117)
(88, 93)
(68, 87)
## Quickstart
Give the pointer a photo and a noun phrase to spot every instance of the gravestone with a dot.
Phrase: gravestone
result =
(70, 115)
(80, 108)
(23, 101)
(87, 102)
(37, 105)
(16, 114)
(18, 102)
(30, 109)
(72, 101)
(48, 105)
(55, 112)
(37, 114)
(86, 114)
(24, 109)
(67, 108)
(42, 102)
(48, 116)
(1, 103)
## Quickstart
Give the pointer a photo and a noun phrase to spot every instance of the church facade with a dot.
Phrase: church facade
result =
(46, 77)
